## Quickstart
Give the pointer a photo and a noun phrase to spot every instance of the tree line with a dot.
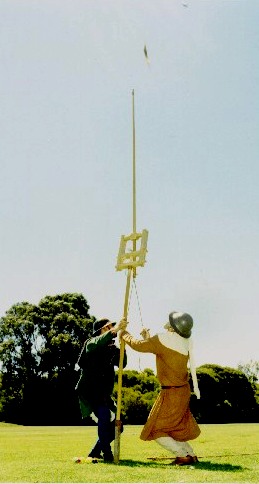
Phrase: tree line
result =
(40, 344)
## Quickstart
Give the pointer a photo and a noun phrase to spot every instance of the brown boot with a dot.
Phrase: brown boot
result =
(185, 461)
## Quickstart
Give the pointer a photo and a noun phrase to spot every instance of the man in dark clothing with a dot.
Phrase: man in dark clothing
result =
(95, 386)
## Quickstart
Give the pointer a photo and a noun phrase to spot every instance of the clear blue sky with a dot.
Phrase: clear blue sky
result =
(67, 71)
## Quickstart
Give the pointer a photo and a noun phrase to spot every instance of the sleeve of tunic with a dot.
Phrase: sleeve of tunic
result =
(101, 340)
(149, 345)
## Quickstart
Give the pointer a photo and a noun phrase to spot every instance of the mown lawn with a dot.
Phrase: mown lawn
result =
(227, 453)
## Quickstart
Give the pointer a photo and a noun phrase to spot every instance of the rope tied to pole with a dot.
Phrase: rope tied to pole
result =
(138, 300)
(139, 310)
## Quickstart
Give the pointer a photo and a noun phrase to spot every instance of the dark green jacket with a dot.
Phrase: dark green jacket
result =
(95, 385)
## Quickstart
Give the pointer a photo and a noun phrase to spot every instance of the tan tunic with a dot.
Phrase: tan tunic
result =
(170, 414)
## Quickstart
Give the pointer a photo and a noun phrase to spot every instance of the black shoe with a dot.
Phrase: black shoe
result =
(95, 456)
(108, 457)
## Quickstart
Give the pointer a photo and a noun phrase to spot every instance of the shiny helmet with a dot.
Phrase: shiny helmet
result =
(182, 323)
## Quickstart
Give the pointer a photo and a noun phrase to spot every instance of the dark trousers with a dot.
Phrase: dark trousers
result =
(106, 432)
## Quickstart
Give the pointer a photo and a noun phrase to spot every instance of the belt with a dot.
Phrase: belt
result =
(165, 387)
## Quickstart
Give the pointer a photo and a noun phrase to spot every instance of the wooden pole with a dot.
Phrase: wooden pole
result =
(131, 271)
(122, 349)
(134, 210)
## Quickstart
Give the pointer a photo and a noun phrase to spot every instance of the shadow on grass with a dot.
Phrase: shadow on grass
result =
(203, 466)
(214, 466)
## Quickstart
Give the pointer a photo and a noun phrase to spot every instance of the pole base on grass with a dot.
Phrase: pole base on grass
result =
(118, 425)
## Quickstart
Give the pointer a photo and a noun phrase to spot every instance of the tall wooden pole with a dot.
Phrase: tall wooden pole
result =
(131, 272)
(134, 211)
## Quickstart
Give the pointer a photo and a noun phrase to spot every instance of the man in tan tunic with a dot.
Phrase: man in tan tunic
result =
(170, 422)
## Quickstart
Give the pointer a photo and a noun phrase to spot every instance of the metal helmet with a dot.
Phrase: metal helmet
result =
(182, 323)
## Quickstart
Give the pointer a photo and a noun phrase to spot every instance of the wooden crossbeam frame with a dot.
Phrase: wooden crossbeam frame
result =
(129, 258)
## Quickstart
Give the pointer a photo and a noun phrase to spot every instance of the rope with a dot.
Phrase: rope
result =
(203, 456)
(135, 285)
(139, 309)
(136, 291)
(129, 298)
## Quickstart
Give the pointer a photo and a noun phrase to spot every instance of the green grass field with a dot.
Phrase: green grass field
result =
(227, 453)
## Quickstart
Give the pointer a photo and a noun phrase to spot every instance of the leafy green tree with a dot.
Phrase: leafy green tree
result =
(64, 323)
(18, 355)
(135, 409)
(251, 370)
(139, 392)
(257, 393)
(226, 396)
(144, 381)
(39, 346)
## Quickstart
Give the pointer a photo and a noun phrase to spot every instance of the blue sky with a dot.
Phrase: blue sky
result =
(68, 68)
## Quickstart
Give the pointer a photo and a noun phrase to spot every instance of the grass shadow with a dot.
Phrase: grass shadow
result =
(214, 466)
(203, 466)
(139, 463)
